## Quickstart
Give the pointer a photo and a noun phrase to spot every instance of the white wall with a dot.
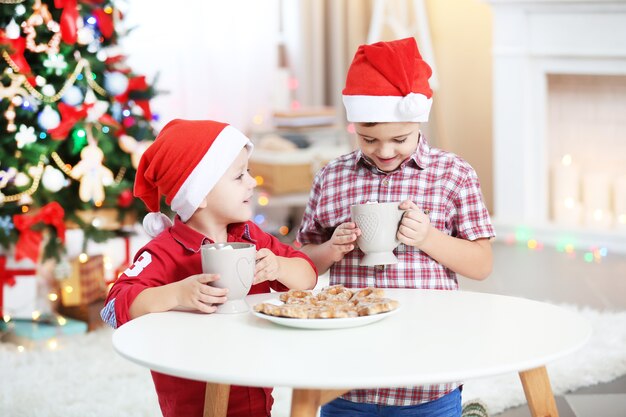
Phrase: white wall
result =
(214, 57)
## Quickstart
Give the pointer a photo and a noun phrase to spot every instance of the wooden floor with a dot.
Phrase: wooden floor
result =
(549, 275)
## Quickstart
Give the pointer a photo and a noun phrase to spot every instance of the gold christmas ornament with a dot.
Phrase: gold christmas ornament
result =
(41, 15)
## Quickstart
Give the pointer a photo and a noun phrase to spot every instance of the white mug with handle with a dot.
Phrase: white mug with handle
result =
(235, 262)
(379, 224)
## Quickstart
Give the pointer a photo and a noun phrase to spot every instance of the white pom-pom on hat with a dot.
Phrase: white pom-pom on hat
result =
(155, 223)
(413, 105)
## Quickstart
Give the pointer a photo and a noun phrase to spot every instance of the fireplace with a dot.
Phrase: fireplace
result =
(559, 120)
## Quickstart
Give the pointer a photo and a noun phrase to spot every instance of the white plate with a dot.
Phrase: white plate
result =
(326, 323)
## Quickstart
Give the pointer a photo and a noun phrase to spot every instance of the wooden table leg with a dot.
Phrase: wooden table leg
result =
(305, 402)
(538, 392)
(216, 400)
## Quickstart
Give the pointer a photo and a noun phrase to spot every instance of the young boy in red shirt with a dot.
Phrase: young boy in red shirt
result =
(201, 167)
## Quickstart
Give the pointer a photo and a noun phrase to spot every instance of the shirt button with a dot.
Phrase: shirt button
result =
(380, 267)
(386, 181)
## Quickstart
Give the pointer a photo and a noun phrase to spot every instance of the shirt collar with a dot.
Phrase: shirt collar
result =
(192, 240)
(420, 158)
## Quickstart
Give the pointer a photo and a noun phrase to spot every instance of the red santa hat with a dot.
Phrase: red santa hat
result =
(388, 82)
(183, 164)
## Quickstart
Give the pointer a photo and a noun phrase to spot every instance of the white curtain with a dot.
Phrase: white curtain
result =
(213, 57)
(321, 38)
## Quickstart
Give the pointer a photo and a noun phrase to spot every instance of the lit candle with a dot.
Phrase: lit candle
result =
(619, 195)
(566, 192)
(598, 219)
(565, 179)
(621, 222)
(619, 201)
(597, 191)
(568, 212)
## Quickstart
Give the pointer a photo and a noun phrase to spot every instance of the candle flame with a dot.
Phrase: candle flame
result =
(566, 160)
(598, 215)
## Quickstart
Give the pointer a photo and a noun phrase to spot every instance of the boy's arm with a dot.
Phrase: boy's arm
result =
(296, 273)
(152, 300)
(191, 292)
(472, 259)
(324, 255)
(321, 255)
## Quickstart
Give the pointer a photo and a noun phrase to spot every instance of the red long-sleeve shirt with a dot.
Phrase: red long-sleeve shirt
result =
(172, 256)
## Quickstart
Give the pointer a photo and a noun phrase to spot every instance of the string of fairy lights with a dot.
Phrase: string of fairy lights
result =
(566, 244)
(523, 236)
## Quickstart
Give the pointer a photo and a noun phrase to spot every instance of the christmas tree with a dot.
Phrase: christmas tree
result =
(74, 121)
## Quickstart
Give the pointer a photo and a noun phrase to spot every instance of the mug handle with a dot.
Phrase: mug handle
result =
(400, 221)
(425, 211)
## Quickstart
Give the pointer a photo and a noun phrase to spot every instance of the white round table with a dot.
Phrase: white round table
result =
(436, 336)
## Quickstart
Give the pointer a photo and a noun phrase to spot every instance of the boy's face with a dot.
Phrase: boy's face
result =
(230, 201)
(387, 145)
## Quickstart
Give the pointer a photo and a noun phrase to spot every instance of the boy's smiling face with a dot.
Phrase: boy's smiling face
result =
(230, 201)
(387, 145)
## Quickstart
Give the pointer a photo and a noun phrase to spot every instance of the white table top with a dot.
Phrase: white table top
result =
(436, 336)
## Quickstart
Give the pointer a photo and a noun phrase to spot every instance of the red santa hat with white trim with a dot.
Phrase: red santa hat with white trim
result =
(388, 82)
(183, 164)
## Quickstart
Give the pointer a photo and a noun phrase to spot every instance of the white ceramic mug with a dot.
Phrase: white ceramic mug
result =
(236, 269)
(379, 224)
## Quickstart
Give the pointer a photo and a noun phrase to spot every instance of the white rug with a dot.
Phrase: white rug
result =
(84, 377)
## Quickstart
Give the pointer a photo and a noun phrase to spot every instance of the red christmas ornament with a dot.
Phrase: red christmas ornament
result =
(69, 29)
(105, 22)
(125, 199)
(128, 122)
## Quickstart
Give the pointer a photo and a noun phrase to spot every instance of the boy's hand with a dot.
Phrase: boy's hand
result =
(267, 266)
(343, 239)
(194, 292)
(414, 226)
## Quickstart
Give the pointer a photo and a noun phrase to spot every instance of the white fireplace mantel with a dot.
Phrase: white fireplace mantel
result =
(532, 39)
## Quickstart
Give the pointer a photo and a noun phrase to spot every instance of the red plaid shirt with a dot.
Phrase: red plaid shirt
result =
(435, 180)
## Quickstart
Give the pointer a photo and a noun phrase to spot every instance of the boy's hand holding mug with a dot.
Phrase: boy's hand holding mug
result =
(343, 240)
(193, 292)
(267, 267)
(415, 225)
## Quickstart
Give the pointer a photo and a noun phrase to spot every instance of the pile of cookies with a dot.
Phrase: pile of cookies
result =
(331, 302)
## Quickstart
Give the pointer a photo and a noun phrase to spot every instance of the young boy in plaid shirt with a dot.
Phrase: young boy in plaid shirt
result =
(446, 231)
